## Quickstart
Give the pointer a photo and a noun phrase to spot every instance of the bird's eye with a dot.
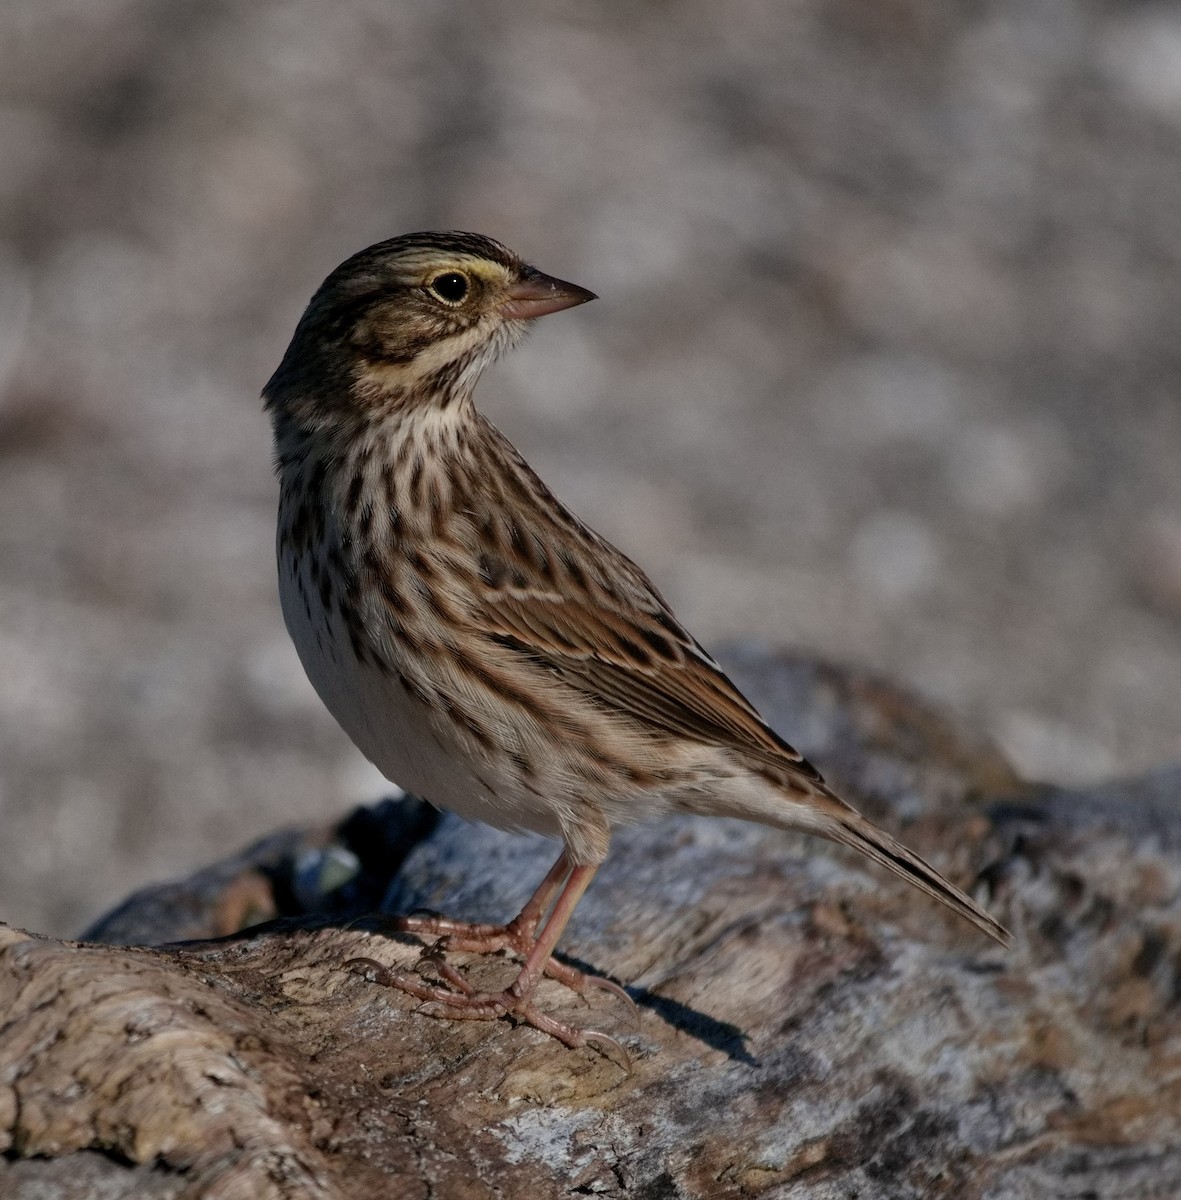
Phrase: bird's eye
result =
(451, 286)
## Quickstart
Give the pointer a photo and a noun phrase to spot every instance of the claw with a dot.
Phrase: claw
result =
(610, 986)
(449, 974)
(374, 971)
(581, 983)
(609, 1048)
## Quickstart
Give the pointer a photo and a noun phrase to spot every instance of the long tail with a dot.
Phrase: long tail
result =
(850, 828)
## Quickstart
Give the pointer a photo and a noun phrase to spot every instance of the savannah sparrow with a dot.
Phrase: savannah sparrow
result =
(482, 646)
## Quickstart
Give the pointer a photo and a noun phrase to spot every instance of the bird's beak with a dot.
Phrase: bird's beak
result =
(535, 295)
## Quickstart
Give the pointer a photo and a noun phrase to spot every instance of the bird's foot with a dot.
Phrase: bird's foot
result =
(462, 1002)
(518, 937)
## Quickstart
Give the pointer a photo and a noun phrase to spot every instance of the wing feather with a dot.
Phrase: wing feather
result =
(619, 643)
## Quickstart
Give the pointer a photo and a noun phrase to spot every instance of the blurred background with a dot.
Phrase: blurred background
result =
(885, 365)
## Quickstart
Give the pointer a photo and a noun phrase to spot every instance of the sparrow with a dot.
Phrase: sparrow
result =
(483, 647)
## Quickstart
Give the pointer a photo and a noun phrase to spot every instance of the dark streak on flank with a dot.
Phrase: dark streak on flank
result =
(392, 596)
(475, 730)
(438, 509)
(416, 474)
(401, 457)
(504, 688)
(421, 566)
(522, 762)
(358, 646)
(414, 691)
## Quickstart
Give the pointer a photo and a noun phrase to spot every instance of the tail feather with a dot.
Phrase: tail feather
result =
(853, 830)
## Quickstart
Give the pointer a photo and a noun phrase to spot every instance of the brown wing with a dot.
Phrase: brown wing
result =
(590, 615)
(562, 597)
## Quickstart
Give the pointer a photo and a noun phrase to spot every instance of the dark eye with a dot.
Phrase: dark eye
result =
(450, 286)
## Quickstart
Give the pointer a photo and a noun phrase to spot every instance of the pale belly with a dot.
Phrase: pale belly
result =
(412, 744)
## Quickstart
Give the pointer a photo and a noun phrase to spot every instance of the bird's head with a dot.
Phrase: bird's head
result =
(413, 320)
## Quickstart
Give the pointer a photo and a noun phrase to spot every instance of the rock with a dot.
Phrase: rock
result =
(808, 1027)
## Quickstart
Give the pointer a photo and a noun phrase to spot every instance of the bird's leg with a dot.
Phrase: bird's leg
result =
(540, 956)
(517, 998)
(465, 1003)
(518, 936)
(480, 938)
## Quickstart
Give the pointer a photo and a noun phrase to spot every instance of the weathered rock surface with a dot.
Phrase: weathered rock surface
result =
(807, 1027)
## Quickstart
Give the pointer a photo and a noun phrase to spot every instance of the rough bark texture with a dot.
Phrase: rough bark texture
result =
(807, 1027)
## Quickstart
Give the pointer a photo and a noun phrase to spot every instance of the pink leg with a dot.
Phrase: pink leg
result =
(465, 1002)
(518, 936)
(486, 939)
(576, 883)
